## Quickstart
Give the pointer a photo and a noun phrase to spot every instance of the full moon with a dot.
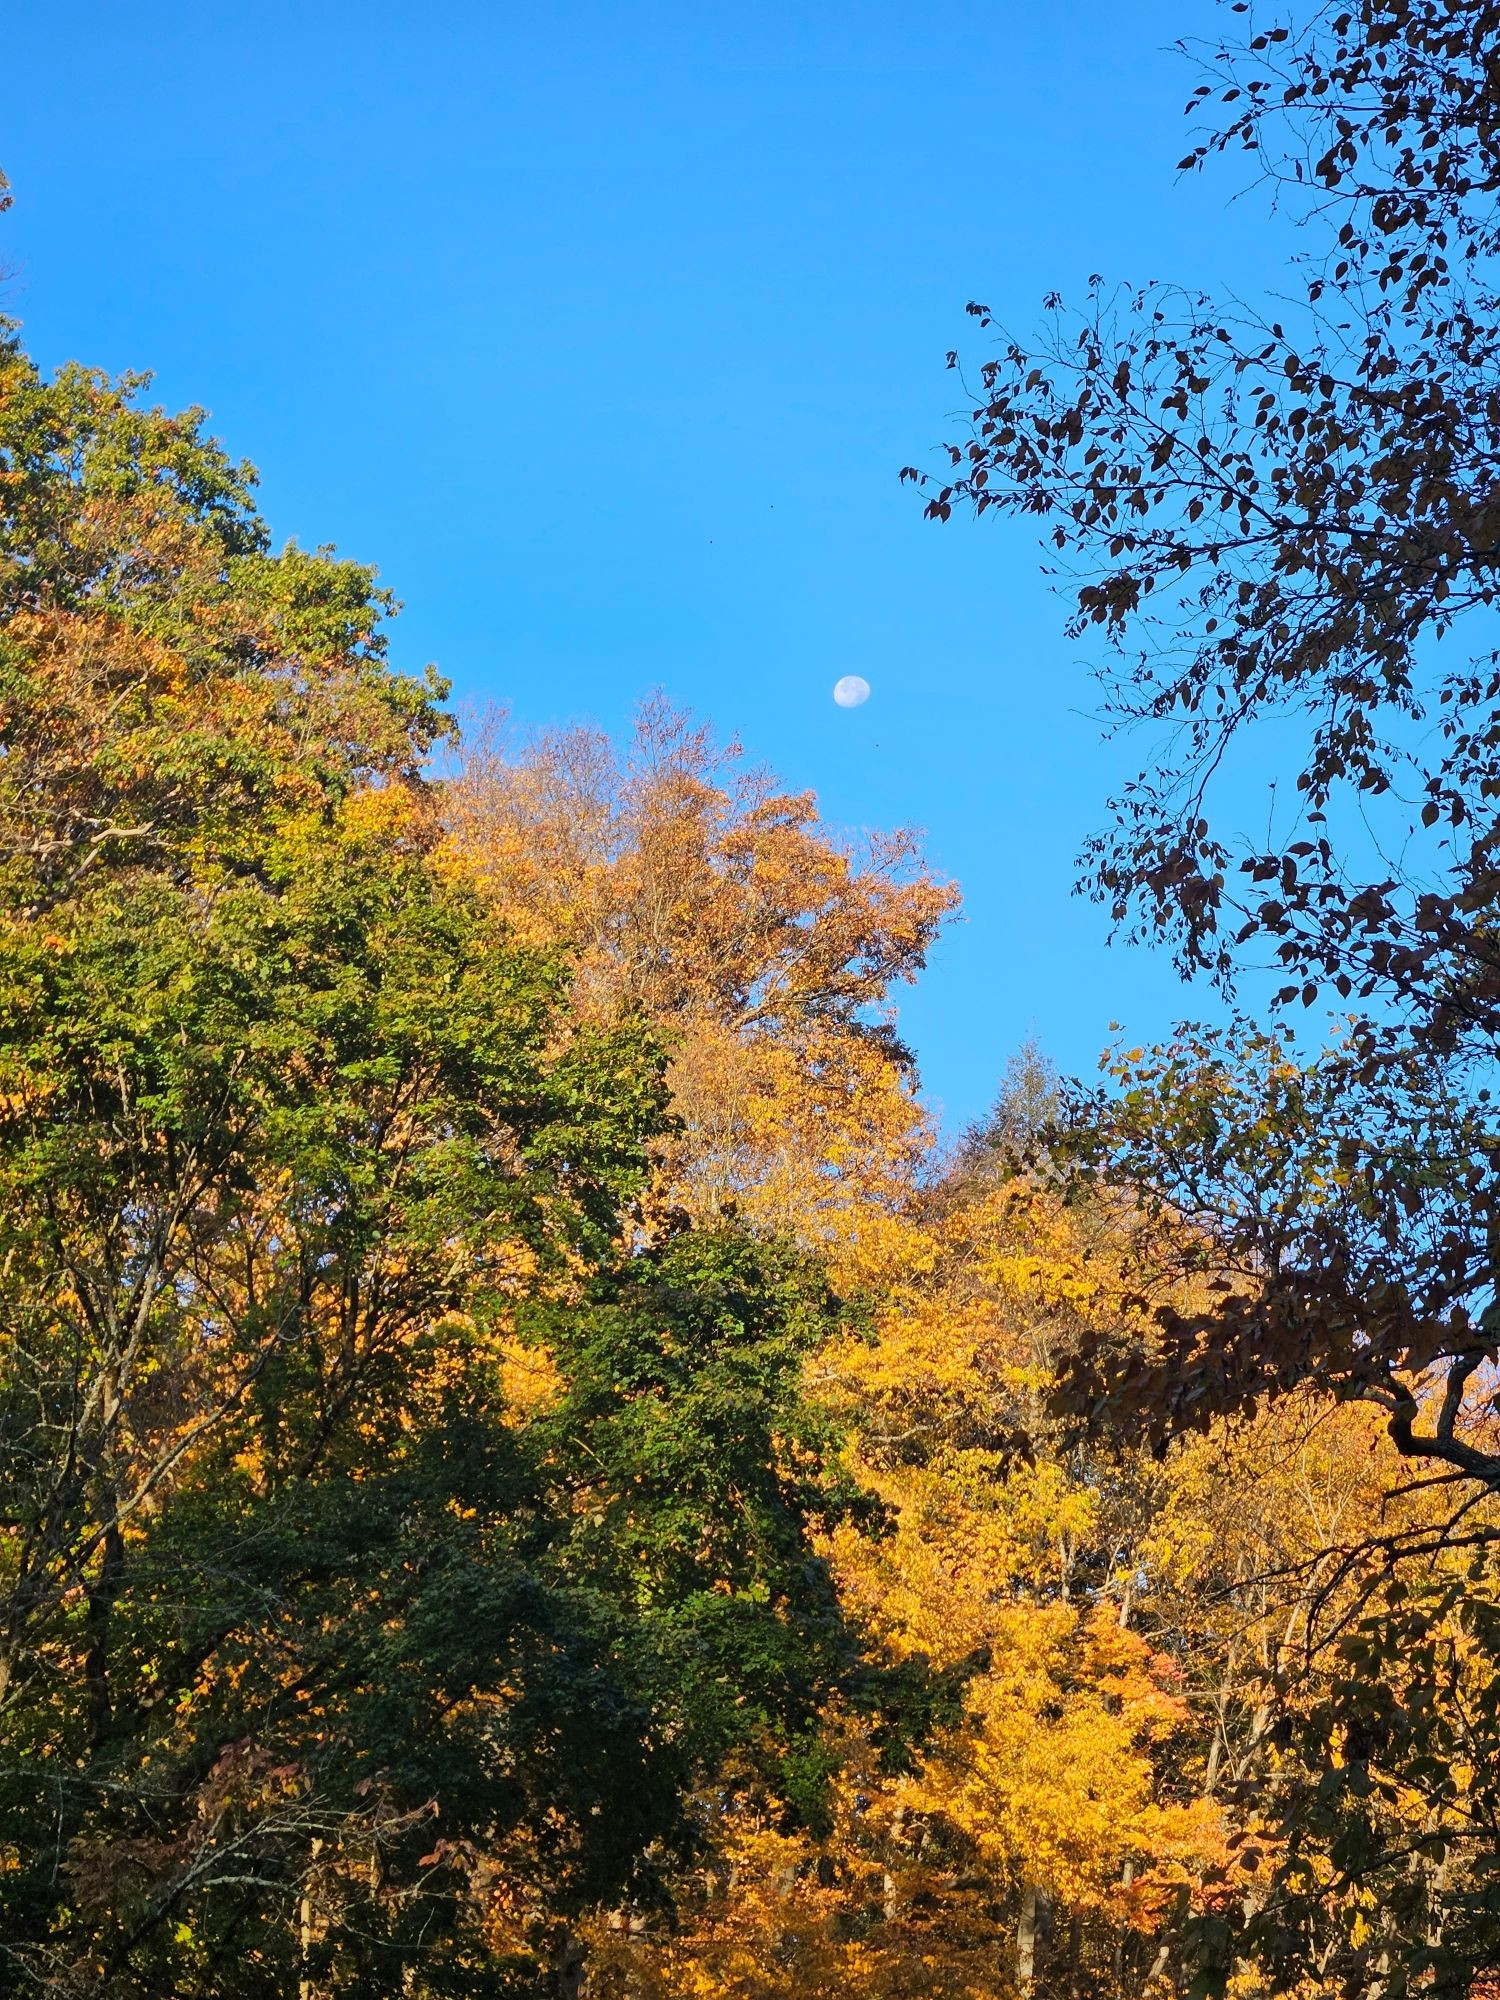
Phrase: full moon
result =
(851, 691)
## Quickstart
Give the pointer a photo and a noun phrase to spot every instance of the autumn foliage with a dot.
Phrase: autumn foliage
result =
(522, 1465)
(527, 1466)
(764, 947)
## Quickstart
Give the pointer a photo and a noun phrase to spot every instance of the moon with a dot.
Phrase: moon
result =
(851, 691)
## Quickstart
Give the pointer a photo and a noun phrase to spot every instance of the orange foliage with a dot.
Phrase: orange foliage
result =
(762, 944)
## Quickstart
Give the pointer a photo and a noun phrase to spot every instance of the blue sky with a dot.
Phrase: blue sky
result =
(604, 331)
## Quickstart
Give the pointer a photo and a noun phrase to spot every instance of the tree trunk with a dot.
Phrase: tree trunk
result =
(1026, 1929)
(306, 1917)
(1127, 1876)
(571, 1966)
(101, 1602)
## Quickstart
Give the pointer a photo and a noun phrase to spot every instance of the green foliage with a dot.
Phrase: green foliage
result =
(699, 1471)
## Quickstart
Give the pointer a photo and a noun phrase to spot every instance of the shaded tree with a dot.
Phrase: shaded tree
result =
(1280, 523)
(1281, 519)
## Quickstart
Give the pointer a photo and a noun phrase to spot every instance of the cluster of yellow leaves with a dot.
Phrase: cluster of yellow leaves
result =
(1053, 1775)
(877, 1908)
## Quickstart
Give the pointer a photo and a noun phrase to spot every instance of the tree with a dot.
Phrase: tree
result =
(1272, 520)
(273, 1102)
(1028, 1105)
(1286, 514)
(1282, 517)
(1339, 1211)
(761, 944)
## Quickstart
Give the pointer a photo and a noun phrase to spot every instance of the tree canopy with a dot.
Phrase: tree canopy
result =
(527, 1466)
